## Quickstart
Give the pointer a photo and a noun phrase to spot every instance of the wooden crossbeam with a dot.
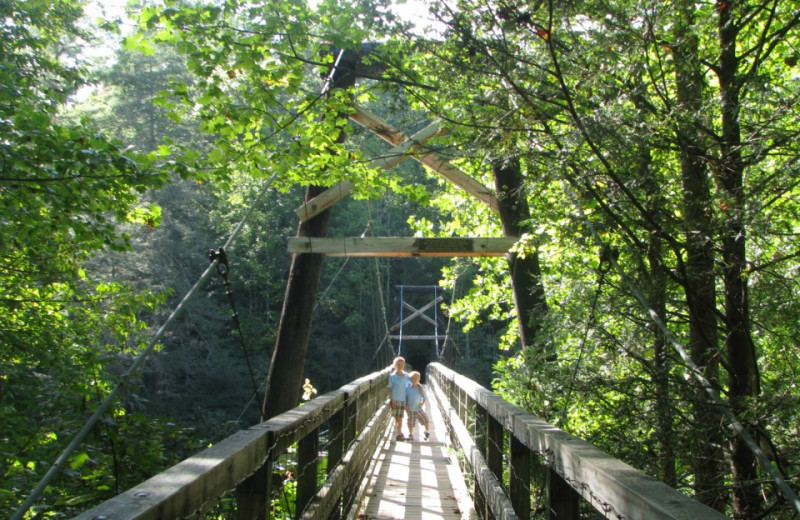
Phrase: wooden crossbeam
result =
(432, 160)
(401, 247)
(393, 157)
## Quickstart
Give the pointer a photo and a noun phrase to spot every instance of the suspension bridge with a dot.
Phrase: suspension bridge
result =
(336, 457)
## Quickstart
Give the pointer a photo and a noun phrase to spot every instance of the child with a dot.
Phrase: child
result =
(397, 394)
(415, 398)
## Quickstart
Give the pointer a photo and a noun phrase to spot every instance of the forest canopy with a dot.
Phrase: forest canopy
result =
(645, 155)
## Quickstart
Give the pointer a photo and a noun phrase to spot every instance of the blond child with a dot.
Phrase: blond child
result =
(415, 399)
(398, 380)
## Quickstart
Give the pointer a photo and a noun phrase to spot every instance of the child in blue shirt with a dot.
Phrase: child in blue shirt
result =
(415, 398)
(397, 394)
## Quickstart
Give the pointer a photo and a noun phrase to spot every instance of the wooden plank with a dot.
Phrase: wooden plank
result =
(391, 159)
(324, 200)
(431, 159)
(378, 126)
(401, 247)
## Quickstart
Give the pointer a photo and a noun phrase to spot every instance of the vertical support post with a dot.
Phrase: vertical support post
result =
(520, 478)
(363, 410)
(307, 467)
(253, 495)
(336, 443)
(350, 417)
(481, 425)
(562, 500)
(285, 378)
(462, 405)
(336, 449)
(494, 451)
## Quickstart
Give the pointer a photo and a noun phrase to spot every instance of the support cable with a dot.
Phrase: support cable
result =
(386, 338)
(694, 370)
(137, 362)
(450, 317)
(223, 269)
(402, 304)
(436, 319)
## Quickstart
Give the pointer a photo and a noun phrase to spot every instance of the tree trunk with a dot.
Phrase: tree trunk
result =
(743, 378)
(699, 276)
(526, 275)
(285, 379)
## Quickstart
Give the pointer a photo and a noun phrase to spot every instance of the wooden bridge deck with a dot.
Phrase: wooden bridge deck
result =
(419, 479)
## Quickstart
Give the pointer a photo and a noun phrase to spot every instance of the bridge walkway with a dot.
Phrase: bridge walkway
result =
(417, 479)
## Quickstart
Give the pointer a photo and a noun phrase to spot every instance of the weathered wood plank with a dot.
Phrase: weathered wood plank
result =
(401, 247)
(389, 160)
(431, 159)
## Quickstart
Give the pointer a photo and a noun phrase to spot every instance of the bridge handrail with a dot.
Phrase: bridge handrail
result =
(575, 467)
(243, 462)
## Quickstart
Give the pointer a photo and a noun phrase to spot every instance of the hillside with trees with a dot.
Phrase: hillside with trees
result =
(645, 155)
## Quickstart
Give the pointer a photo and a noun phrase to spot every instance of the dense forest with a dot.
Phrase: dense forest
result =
(645, 155)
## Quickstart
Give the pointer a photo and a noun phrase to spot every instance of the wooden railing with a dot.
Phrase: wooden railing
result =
(241, 468)
(519, 466)
(523, 467)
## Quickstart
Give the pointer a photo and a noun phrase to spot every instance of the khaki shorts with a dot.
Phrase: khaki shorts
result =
(418, 416)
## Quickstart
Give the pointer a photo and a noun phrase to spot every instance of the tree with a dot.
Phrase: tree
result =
(64, 191)
(594, 92)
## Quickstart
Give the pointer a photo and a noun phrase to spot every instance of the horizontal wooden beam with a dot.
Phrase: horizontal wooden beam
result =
(432, 160)
(401, 247)
(387, 161)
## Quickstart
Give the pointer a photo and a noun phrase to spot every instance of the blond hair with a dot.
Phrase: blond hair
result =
(413, 374)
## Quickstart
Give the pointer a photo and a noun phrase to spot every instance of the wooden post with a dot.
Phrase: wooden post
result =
(350, 417)
(462, 405)
(520, 478)
(336, 449)
(562, 500)
(285, 378)
(481, 425)
(254, 494)
(494, 451)
(307, 467)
